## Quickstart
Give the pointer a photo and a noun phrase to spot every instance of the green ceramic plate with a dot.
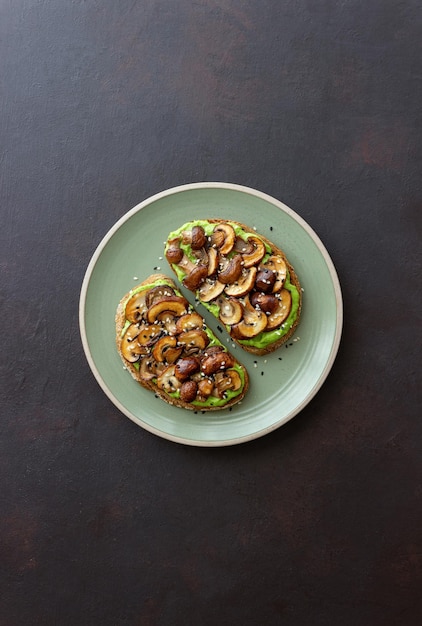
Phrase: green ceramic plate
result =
(281, 383)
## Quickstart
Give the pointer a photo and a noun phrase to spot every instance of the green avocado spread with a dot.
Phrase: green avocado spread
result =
(264, 339)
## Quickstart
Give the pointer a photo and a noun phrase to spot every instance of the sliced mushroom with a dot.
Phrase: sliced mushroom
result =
(167, 380)
(227, 380)
(242, 246)
(257, 253)
(190, 321)
(166, 349)
(157, 293)
(185, 367)
(186, 264)
(223, 237)
(136, 306)
(210, 289)
(174, 253)
(230, 310)
(188, 391)
(149, 368)
(212, 261)
(172, 304)
(168, 319)
(209, 258)
(131, 349)
(231, 270)
(254, 322)
(282, 312)
(196, 277)
(148, 334)
(193, 340)
(244, 284)
(216, 362)
(276, 264)
(132, 332)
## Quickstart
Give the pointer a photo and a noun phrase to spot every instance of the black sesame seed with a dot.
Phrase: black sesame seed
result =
(262, 373)
(220, 330)
(271, 227)
(280, 358)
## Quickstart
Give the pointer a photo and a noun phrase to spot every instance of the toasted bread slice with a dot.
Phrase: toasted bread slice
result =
(241, 277)
(167, 347)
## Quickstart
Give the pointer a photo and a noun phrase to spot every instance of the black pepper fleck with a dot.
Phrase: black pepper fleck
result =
(271, 227)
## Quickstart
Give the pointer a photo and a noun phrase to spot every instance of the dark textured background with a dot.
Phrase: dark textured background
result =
(102, 104)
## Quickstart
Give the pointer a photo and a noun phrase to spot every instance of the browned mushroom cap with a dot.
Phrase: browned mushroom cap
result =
(216, 362)
(227, 380)
(196, 277)
(195, 237)
(174, 253)
(231, 270)
(282, 311)
(185, 367)
(231, 311)
(198, 238)
(257, 253)
(136, 307)
(157, 293)
(193, 340)
(167, 380)
(190, 321)
(172, 304)
(210, 289)
(254, 321)
(131, 349)
(244, 284)
(276, 264)
(264, 301)
(205, 388)
(223, 237)
(265, 280)
(149, 368)
(166, 350)
(188, 391)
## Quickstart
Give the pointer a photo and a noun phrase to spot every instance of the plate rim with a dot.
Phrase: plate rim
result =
(281, 206)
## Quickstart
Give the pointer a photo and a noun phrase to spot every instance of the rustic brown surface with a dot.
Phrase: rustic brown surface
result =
(105, 103)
